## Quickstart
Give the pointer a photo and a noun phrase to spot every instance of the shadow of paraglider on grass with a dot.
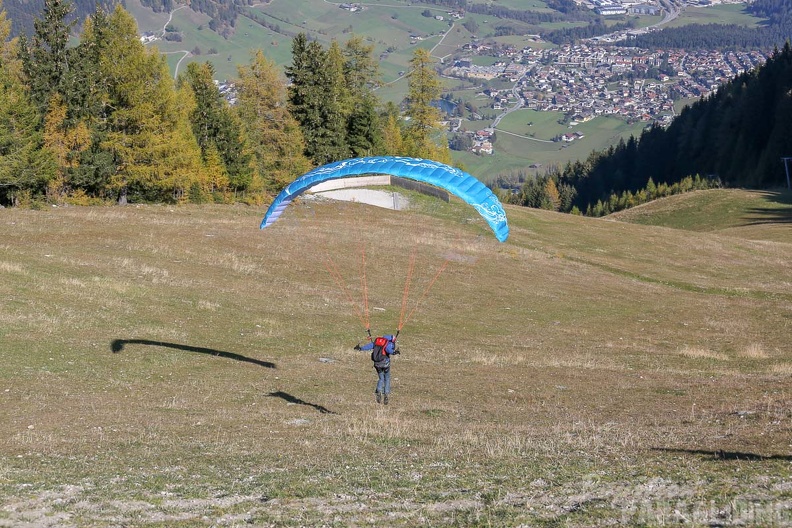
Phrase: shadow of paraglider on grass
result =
(292, 399)
(118, 345)
(719, 454)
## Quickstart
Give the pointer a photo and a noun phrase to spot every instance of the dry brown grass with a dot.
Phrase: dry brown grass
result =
(785, 369)
(587, 372)
(754, 351)
(702, 353)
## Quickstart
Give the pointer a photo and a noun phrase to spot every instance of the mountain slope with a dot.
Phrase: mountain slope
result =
(22, 13)
(756, 215)
(179, 365)
(739, 134)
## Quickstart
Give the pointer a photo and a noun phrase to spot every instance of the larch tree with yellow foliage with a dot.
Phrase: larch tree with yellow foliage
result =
(424, 136)
(273, 135)
(26, 166)
(155, 156)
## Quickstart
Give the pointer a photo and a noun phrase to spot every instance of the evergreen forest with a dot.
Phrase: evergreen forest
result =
(776, 28)
(735, 137)
(103, 121)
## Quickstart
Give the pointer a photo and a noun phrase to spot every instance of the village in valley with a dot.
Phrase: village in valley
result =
(590, 79)
(600, 76)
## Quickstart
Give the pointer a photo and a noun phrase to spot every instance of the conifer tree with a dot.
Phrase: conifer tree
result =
(274, 136)
(150, 143)
(338, 87)
(361, 72)
(216, 173)
(424, 139)
(88, 99)
(552, 197)
(66, 144)
(392, 139)
(46, 60)
(92, 106)
(179, 153)
(26, 166)
(215, 125)
(364, 130)
(316, 102)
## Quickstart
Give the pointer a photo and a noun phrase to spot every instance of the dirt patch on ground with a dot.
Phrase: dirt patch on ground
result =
(656, 502)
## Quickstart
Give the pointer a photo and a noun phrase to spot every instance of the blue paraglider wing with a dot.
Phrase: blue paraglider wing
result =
(451, 179)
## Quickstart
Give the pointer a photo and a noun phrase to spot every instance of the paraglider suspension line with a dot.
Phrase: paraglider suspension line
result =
(364, 284)
(406, 292)
(423, 295)
(333, 270)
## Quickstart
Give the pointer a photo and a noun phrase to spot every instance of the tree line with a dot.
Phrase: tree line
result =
(735, 137)
(712, 36)
(104, 121)
(526, 16)
(594, 28)
(548, 192)
(22, 13)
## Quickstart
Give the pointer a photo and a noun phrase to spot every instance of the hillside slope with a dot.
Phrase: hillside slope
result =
(176, 365)
(739, 135)
(755, 215)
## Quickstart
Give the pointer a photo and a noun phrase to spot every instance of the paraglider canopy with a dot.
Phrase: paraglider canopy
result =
(453, 180)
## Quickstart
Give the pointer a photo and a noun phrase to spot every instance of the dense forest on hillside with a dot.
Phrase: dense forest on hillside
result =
(104, 121)
(737, 135)
(224, 14)
(22, 13)
(776, 30)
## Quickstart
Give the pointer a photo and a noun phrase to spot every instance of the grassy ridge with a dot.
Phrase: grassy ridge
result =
(177, 366)
(759, 215)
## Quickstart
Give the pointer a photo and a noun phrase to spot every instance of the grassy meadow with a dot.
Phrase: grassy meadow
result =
(524, 137)
(388, 26)
(177, 366)
(718, 14)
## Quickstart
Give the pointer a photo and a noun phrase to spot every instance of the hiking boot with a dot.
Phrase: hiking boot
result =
(385, 399)
(379, 397)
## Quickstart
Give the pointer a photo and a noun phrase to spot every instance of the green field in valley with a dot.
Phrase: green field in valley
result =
(524, 138)
(717, 14)
(390, 27)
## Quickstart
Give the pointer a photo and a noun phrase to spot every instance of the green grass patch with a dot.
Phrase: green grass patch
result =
(747, 213)
(521, 5)
(718, 14)
(525, 137)
(230, 53)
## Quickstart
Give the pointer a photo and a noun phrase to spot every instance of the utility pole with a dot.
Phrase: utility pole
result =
(786, 166)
